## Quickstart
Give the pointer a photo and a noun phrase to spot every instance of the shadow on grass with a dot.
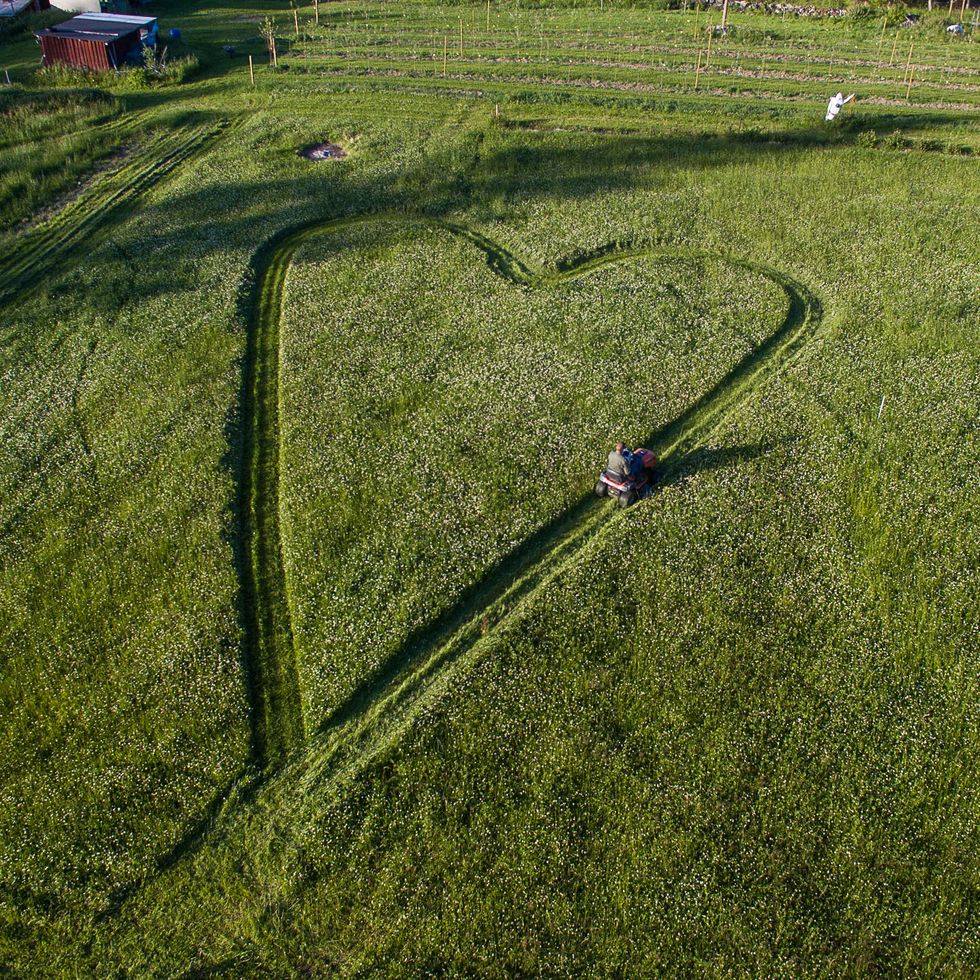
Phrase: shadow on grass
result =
(244, 787)
(461, 173)
(708, 459)
(482, 171)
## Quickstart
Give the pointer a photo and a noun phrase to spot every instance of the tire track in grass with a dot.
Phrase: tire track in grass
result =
(272, 674)
(40, 253)
(385, 705)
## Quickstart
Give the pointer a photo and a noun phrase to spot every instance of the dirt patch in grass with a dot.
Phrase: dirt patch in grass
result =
(323, 151)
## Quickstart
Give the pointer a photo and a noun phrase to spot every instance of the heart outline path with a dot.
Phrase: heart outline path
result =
(383, 707)
(292, 764)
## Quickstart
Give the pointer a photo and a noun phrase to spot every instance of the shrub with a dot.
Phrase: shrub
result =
(895, 140)
(62, 76)
(157, 70)
(894, 13)
(173, 71)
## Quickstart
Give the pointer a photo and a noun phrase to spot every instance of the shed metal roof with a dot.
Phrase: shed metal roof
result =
(96, 27)
(87, 36)
(130, 19)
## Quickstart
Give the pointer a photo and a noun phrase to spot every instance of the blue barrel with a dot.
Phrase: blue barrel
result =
(174, 33)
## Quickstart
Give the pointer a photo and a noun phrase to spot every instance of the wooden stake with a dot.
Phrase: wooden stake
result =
(697, 17)
(488, 16)
(707, 57)
(908, 64)
(891, 60)
(296, 22)
(962, 8)
(881, 40)
(445, 50)
(461, 37)
(724, 15)
(697, 71)
(908, 91)
(6, 74)
(251, 71)
(316, 12)
(951, 2)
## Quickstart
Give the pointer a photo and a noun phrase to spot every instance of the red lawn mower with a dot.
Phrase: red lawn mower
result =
(629, 489)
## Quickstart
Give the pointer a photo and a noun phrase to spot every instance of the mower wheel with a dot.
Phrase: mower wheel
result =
(627, 498)
(601, 489)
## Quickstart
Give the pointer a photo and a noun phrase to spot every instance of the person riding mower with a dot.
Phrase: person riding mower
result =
(628, 475)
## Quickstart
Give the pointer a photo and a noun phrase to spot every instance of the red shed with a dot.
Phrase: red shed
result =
(89, 42)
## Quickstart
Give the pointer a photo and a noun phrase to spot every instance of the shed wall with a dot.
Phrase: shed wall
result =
(75, 52)
(79, 52)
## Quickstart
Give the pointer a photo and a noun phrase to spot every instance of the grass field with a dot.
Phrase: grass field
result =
(318, 656)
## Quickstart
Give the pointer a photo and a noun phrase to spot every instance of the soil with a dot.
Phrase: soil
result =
(323, 151)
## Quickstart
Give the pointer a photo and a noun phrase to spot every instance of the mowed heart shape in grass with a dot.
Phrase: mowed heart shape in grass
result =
(314, 449)
(423, 428)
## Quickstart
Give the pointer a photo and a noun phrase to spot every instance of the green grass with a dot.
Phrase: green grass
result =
(48, 141)
(489, 419)
(316, 656)
(35, 255)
